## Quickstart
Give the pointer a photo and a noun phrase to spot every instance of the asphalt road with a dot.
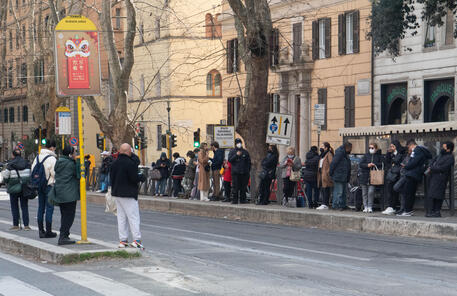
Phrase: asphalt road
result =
(199, 256)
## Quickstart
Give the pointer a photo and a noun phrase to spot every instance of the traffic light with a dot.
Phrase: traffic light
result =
(43, 136)
(100, 140)
(143, 139)
(163, 139)
(43, 141)
(173, 141)
(197, 138)
(137, 144)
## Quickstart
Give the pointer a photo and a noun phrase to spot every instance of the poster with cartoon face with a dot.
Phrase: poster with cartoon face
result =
(78, 65)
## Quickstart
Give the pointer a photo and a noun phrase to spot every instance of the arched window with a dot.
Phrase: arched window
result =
(442, 109)
(209, 24)
(214, 84)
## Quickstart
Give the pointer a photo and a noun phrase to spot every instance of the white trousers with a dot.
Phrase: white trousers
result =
(128, 214)
(204, 195)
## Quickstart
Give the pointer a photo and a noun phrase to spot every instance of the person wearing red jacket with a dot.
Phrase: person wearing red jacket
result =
(227, 177)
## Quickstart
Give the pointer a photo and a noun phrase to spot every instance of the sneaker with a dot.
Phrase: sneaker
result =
(322, 207)
(27, 228)
(365, 210)
(406, 214)
(123, 244)
(99, 191)
(388, 211)
(15, 228)
(370, 210)
(137, 244)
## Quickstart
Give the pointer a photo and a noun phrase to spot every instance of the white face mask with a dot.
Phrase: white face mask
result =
(372, 151)
(290, 156)
(239, 145)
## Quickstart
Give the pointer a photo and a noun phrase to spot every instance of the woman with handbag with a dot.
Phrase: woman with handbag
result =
(372, 160)
(394, 158)
(16, 174)
(203, 172)
(324, 181)
(290, 173)
(267, 174)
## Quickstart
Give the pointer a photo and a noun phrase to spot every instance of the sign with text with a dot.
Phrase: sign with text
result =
(77, 57)
(63, 121)
(225, 136)
(319, 114)
(279, 128)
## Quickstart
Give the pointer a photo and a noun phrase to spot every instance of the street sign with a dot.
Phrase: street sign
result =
(63, 121)
(279, 128)
(77, 57)
(20, 146)
(225, 136)
(319, 114)
(73, 141)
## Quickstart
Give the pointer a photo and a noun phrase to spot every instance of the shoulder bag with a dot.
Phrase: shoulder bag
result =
(377, 176)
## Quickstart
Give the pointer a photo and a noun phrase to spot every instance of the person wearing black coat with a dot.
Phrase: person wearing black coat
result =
(241, 168)
(216, 166)
(124, 179)
(268, 173)
(440, 171)
(340, 171)
(394, 158)
(414, 171)
(310, 177)
(163, 165)
(370, 161)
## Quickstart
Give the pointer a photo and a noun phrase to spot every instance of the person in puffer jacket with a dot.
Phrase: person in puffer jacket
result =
(310, 177)
(177, 173)
(14, 188)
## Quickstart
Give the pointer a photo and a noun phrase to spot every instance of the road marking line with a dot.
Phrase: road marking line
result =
(100, 284)
(170, 277)
(263, 243)
(24, 263)
(10, 286)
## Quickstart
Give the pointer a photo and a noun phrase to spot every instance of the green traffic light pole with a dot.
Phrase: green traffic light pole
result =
(169, 130)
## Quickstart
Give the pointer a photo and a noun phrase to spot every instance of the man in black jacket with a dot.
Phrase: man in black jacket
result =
(124, 179)
(241, 167)
(414, 172)
(216, 165)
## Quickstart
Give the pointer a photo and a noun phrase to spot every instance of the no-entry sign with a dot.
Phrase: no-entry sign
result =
(73, 141)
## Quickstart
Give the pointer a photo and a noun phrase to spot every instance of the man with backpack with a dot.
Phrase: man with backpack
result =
(42, 180)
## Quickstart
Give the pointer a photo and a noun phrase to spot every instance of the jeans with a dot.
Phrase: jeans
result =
(104, 182)
(161, 185)
(14, 201)
(339, 195)
(44, 207)
(240, 185)
(288, 188)
(310, 187)
(410, 196)
(392, 196)
(176, 187)
(264, 190)
(368, 196)
(326, 196)
(67, 217)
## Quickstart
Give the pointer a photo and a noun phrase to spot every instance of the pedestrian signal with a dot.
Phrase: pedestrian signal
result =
(173, 141)
(197, 138)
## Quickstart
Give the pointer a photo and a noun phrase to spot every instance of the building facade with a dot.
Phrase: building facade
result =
(176, 82)
(320, 55)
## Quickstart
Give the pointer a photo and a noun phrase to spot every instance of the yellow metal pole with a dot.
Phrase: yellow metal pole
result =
(82, 181)
(63, 142)
(39, 140)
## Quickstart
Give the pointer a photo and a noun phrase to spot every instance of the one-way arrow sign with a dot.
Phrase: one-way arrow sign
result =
(279, 128)
(286, 123)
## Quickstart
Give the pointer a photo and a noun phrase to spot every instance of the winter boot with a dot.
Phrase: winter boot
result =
(49, 233)
(41, 231)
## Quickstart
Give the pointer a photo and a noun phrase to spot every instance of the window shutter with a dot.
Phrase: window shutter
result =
(315, 40)
(347, 114)
(229, 50)
(270, 97)
(352, 105)
(236, 58)
(328, 38)
(356, 26)
(341, 34)
(275, 53)
(229, 111)
(322, 99)
(297, 41)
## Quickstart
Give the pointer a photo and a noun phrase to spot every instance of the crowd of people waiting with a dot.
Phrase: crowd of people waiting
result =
(325, 175)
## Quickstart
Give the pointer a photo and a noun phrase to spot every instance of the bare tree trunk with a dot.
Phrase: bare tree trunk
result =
(253, 26)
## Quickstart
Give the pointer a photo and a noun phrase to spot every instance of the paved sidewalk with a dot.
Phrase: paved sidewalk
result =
(416, 226)
(28, 244)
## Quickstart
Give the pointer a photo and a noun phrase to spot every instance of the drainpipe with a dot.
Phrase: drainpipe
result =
(372, 78)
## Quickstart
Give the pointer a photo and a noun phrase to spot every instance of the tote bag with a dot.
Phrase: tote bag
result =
(377, 176)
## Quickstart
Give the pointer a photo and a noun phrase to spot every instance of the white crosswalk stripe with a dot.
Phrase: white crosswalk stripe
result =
(169, 277)
(10, 286)
(4, 195)
(100, 284)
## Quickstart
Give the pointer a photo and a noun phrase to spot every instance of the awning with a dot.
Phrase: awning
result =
(414, 128)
